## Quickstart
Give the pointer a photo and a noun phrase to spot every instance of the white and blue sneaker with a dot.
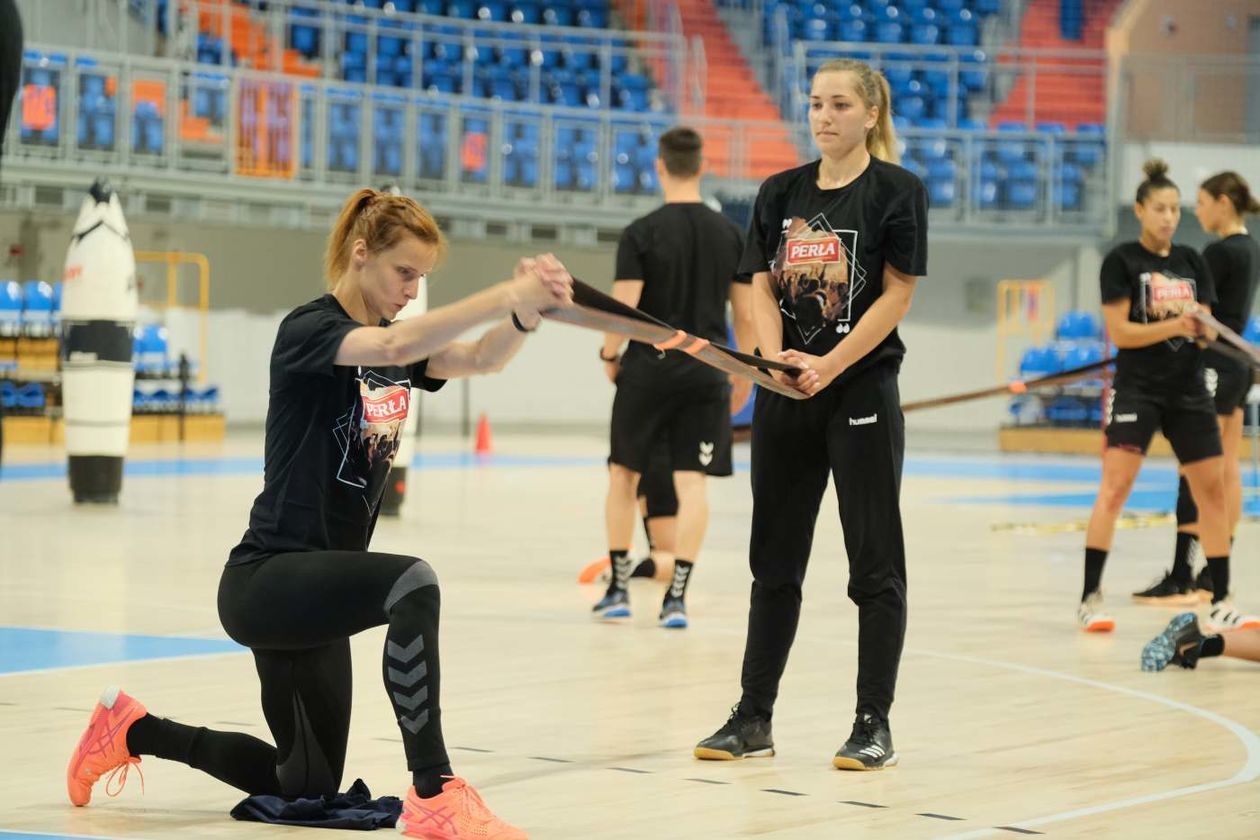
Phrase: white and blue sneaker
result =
(614, 604)
(674, 613)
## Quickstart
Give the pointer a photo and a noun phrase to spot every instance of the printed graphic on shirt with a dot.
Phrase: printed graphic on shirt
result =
(370, 432)
(817, 275)
(1166, 296)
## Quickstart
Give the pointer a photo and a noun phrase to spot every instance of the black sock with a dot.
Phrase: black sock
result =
(620, 569)
(682, 576)
(645, 569)
(1181, 571)
(152, 735)
(428, 782)
(1095, 559)
(1219, 567)
(1211, 646)
(240, 760)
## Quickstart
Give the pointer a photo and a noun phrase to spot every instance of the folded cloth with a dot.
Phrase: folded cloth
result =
(354, 809)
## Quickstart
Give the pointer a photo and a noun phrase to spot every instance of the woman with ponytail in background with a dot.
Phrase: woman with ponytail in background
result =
(302, 581)
(1150, 290)
(835, 248)
(1224, 201)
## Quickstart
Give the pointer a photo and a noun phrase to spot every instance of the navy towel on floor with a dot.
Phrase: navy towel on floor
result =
(353, 809)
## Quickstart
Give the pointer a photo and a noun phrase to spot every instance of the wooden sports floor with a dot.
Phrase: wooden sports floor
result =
(1009, 721)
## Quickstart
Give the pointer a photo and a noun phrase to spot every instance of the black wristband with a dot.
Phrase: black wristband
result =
(616, 357)
(516, 322)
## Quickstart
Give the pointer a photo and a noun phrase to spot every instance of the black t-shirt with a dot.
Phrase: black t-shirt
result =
(826, 250)
(1235, 265)
(1158, 288)
(687, 256)
(332, 433)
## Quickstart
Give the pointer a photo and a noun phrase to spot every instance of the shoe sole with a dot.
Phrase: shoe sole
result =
(1158, 653)
(843, 763)
(1105, 626)
(709, 754)
(1187, 600)
(618, 612)
(675, 623)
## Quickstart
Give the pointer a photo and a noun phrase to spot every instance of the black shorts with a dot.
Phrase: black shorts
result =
(1228, 381)
(695, 425)
(1187, 420)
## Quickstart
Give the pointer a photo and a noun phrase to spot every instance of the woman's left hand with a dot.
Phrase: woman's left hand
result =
(817, 372)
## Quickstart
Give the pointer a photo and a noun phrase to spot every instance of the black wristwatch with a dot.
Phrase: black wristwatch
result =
(516, 322)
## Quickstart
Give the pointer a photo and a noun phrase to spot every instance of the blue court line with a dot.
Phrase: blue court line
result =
(25, 835)
(254, 466)
(994, 468)
(31, 649)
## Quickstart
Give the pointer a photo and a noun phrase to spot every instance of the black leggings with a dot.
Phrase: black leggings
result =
(297, 612)
(854, 432)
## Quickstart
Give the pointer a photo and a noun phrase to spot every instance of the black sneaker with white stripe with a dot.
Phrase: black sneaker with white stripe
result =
(869, 747)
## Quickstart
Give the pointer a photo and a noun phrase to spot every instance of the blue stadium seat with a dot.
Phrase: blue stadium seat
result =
(10, 307)
(1252, 333)
(37, 308)
(889, 32)
(1079, 325)
(303, 35)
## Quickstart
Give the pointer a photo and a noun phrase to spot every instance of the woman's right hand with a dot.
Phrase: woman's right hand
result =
(541, 283)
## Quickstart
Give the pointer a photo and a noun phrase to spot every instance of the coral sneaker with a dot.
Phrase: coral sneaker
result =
(103, 747)
(457, 813)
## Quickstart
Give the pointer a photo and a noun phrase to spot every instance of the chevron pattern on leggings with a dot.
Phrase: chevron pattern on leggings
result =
(410, 692)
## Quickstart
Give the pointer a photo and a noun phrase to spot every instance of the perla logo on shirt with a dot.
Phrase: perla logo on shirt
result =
(817, 275)
(1166, 296)
(387, 407)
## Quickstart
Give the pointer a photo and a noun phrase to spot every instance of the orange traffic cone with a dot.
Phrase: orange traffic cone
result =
(483, 446)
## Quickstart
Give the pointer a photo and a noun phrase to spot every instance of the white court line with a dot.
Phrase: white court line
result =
(1249, 772)
(114, 663)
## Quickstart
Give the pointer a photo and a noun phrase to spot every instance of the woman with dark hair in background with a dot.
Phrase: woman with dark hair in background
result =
(1150, 289)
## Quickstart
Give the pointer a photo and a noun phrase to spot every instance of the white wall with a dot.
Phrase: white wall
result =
(1190, 164)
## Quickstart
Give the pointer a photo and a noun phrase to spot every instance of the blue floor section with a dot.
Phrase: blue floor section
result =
(1155, 490)
(29, 649)
(22, 835)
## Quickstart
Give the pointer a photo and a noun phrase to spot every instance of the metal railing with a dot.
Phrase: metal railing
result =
(984, 77)
(270, 138)
(103, 25)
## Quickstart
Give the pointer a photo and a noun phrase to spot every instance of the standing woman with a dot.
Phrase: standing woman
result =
(1234, 260)
(302, 580)
(1149, 290)
(835, 248)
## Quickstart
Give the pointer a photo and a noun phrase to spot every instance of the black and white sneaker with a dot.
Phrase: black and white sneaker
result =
(1168, 591)
(742, 736)
(1178, 644)
(869, 747)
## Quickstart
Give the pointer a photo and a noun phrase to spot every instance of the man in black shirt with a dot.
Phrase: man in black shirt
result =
(679, 263)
